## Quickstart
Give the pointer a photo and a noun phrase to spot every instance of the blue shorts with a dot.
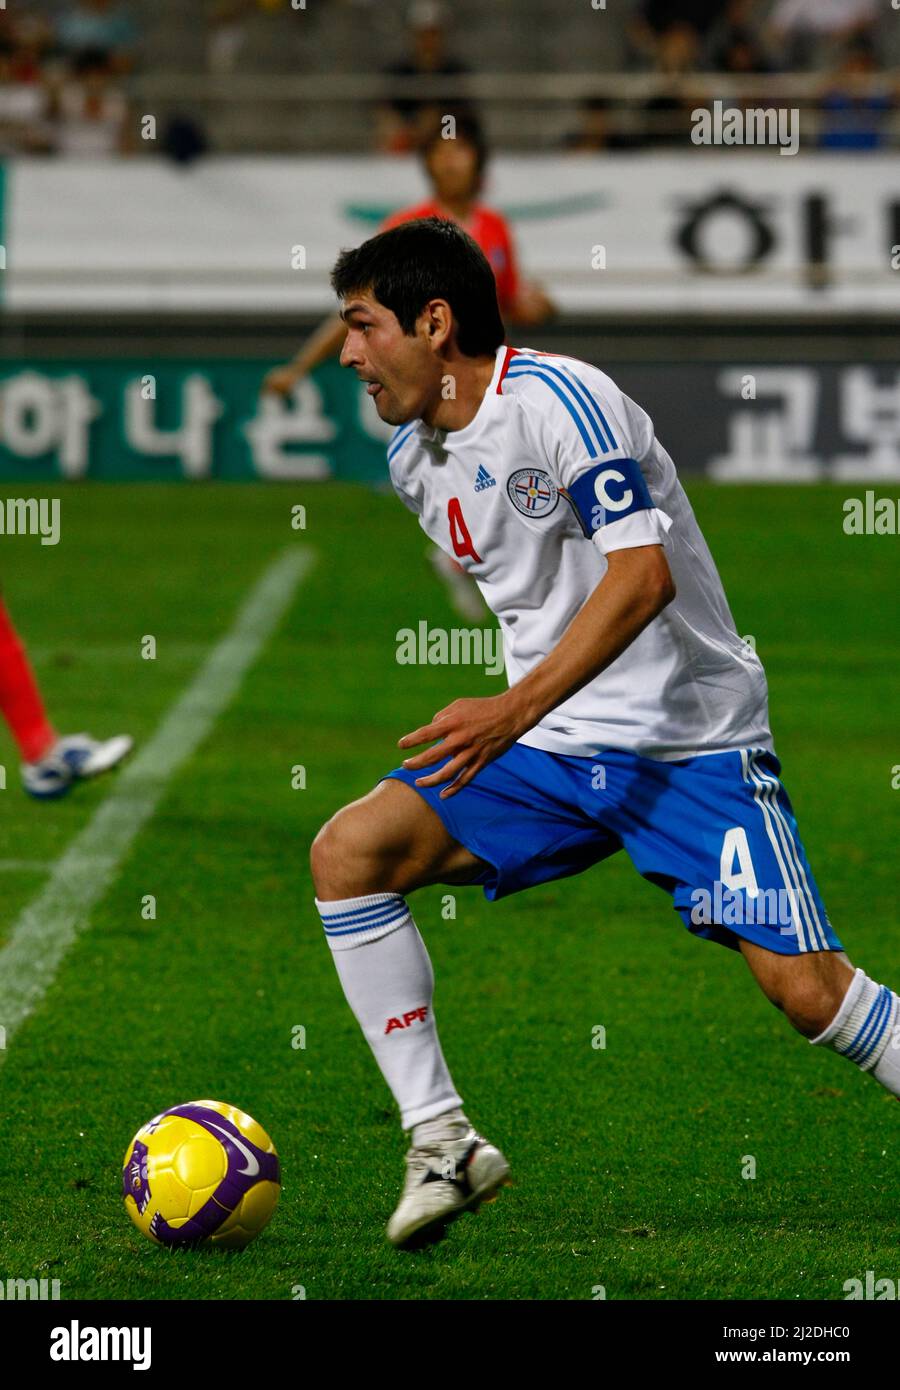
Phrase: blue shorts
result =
(717, 832)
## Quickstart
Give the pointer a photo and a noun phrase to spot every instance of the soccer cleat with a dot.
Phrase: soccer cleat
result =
(444, 1178)
(71, 758)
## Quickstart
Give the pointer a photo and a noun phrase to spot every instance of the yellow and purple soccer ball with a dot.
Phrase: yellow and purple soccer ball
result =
(201, 1174)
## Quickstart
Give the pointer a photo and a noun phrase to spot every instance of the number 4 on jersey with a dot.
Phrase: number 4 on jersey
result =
(459, 532)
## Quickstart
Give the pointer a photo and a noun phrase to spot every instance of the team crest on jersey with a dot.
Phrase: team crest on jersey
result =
(532, 492)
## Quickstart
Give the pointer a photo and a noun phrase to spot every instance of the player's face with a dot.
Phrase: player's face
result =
(453, 169)
(400, 370)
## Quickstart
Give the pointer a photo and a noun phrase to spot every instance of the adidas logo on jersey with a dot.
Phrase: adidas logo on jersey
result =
(483, 479)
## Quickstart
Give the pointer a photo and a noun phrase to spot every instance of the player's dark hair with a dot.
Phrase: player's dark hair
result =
(430, 258)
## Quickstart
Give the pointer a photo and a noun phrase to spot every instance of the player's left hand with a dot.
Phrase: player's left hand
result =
(472, 733)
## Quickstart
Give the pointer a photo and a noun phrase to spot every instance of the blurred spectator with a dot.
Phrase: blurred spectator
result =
(89, 110)
(735, 43)
(596, 130)
(31, 38)
(227, 34)
(23, 108)
(740, 52)
(853, 113)
(404, 122)
(99, 25)
(652, 20)
(666, 118)
(804, 30)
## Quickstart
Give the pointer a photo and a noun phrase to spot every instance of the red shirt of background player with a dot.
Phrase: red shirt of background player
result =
(492, 234)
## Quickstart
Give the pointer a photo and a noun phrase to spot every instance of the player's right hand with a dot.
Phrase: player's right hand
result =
(281, 380)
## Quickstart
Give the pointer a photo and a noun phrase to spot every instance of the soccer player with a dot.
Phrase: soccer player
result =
(50, 764)
(635, 718)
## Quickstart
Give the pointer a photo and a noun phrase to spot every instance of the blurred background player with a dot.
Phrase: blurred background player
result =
(455, 167)
(454, 157)
(50, 764)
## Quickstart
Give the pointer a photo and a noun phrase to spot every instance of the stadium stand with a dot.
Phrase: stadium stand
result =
(260, 76)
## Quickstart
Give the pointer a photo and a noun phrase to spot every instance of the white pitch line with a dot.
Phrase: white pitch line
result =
(47, 927)
(12, 866)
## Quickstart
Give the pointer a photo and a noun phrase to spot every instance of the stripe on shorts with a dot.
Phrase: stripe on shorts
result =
(810, 936)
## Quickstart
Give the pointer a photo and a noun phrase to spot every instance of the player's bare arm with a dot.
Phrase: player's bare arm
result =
(323, 344)
(635, 589)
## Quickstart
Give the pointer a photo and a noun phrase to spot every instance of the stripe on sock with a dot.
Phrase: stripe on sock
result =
(873, 1030)
(863, 1025)
(354, 921)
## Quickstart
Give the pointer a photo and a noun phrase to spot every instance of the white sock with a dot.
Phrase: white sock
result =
(388, 982)
(865, 1030)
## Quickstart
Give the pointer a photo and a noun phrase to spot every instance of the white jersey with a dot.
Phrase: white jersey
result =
(557, 469)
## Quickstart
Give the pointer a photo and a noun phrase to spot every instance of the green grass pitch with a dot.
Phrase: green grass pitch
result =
(627, 1160)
